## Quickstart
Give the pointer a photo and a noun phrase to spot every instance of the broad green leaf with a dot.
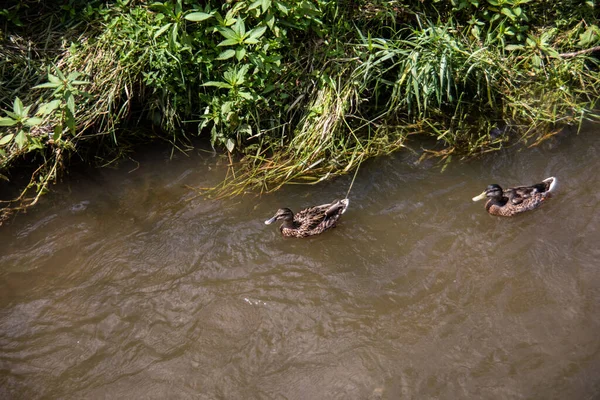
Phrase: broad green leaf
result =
(245, 95)
(282, 7)
(13, 115)
(73, 75)
(47, 108)
(221, 85)
(257, 32)
(60, 75)
(240, 53)
(7, 121)
(241, 74)
(227, 54)
(229, 33)
(80, 82)
(50, 85)
(254, 5)
(53, 79)
(230, 144)
(228, 42)
(266, 4)
(33, 121)
(512, 47)
(198, 16)
(162, 30)
(270, 21)
(18, 107)
(21, 139)
(6, 139)
(251, 41)
(239, 27)
(508, 13)
(71, 103)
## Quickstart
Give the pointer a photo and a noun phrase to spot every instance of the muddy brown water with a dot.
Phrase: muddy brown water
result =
(120, 285)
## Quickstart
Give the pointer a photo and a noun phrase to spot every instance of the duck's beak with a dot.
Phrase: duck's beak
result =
(480, 197)
(270, 221)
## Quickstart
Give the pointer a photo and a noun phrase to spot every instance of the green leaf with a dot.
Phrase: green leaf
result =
(47, 108)
(282, 7)
(254, 5)
(513, 47)
(4, 121)
(47, 85)
(240, 53)
(229, 33)
(6, 139)
(198, 16)
(73, 75)
(18, 107)
(80, 82)
(21, 139)
(257, 32)
(228, 42)
(508, 13)
(230, 144)
(54, 79)
(245, 95)
(270, 21)
(251, 41)
(162, 30)
(60, 74)
(71, 103)
(266, 4)
(221, 85)
(240, 27)
(33, 121)
(57, 132)
(227, 54)
(245, 129)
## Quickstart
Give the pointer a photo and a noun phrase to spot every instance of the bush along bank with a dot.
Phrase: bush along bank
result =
(294, 90)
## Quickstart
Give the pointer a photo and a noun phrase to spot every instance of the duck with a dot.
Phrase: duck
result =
(310, 221)
(516, 200)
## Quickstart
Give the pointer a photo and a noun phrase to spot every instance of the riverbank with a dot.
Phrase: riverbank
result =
(289, 91)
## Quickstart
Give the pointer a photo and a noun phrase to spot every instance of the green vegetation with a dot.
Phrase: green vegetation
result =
(292, 90)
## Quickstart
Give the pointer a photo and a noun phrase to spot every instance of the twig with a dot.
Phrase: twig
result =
(577, 53)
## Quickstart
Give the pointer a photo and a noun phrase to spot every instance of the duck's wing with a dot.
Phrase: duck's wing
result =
(311, 217)
(519, 194)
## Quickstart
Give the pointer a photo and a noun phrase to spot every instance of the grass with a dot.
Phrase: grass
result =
(295, 92)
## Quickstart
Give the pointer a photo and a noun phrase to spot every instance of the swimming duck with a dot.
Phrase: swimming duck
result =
(310, 221)
(508, 202)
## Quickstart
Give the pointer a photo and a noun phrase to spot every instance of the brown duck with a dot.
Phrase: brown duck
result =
(310, 221)
(509, 202)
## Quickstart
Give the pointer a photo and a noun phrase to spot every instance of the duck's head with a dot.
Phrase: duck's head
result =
(492, 191)
(282, 214)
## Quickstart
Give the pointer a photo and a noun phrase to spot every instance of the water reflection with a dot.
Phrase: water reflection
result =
(123, 284)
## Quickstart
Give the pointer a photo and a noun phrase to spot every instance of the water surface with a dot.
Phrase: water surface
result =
(123, 285)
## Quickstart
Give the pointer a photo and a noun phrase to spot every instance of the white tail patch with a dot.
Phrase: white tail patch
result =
(553, 183)
(345, 202)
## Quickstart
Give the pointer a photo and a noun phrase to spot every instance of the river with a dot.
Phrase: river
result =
(122, 284)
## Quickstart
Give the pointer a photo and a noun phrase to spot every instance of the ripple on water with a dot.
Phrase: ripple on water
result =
(132, 287)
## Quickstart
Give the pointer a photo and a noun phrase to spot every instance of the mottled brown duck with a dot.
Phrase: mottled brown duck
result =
(516, 200)
(310, 221)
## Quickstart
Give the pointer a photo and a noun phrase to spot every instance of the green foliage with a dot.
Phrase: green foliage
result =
(300, 89)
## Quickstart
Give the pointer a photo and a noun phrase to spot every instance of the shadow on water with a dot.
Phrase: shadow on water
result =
(124, 285)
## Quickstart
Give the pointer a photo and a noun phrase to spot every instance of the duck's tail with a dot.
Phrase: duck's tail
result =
(336, 206)
(551, 184)
(346, 203)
